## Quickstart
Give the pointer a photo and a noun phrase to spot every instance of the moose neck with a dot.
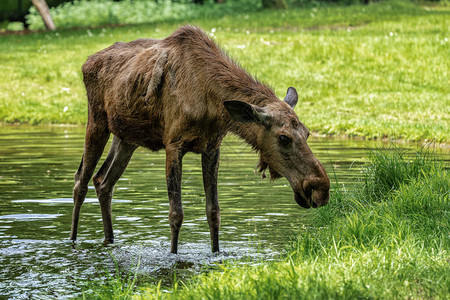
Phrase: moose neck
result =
(248, 90)
(234, 83)
(249, 132)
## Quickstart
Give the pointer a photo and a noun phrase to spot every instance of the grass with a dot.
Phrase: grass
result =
(108, 12)
(365, 246)
(374, 71)
(121, 285)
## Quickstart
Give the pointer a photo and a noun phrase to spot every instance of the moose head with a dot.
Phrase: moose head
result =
(281, 139)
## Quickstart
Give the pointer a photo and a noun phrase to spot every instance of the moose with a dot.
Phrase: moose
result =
(183, 93)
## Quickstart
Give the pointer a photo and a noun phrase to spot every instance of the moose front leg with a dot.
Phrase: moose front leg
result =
(174, 156)
(210, 168)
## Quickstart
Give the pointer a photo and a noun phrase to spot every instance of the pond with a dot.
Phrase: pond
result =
(36, 180)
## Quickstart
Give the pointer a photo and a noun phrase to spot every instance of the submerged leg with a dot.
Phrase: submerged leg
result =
(210, 168)
(174, 156)
(115, 164)
(97, 136)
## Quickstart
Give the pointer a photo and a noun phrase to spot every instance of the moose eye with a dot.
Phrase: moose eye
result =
(284, 140)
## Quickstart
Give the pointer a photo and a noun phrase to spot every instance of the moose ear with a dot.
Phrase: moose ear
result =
(291, 97)
(246, 113)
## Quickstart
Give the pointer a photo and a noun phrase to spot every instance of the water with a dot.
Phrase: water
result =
(36, 180)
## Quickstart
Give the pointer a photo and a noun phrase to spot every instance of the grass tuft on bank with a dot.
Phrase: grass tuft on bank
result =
(376, 71)
(393, 245)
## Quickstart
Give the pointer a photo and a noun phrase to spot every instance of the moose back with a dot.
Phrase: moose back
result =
(184, 94)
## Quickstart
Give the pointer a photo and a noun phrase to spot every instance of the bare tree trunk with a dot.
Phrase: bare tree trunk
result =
(42, 8)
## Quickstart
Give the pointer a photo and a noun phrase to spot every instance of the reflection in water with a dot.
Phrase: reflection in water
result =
(28, 217)
(36, 181)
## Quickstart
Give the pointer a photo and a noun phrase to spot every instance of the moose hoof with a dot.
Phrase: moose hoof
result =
(108, 241)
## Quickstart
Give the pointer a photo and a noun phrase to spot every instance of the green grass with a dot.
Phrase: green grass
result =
(377, 71)
(394, 246)
(106, 12)
(120, 285)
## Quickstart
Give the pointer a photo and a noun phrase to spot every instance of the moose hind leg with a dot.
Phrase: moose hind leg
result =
(210, 167)
(97, 136)
(104, 180)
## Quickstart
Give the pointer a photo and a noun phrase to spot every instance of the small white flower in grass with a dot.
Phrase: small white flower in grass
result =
(213, 30)
(391, 33)
(240, 46)
(66, 108)
(65, 89)
(265, 42)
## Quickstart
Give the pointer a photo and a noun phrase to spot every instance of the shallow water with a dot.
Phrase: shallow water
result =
(36, 179)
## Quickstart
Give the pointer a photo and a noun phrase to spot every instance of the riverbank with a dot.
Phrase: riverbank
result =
(377, 71)
(385, 238)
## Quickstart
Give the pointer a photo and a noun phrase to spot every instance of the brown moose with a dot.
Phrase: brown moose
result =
(184, 94)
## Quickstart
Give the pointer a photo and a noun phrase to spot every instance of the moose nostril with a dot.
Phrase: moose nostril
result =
(316, 191)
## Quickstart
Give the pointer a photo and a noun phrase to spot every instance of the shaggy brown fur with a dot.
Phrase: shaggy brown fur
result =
(174, 94)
